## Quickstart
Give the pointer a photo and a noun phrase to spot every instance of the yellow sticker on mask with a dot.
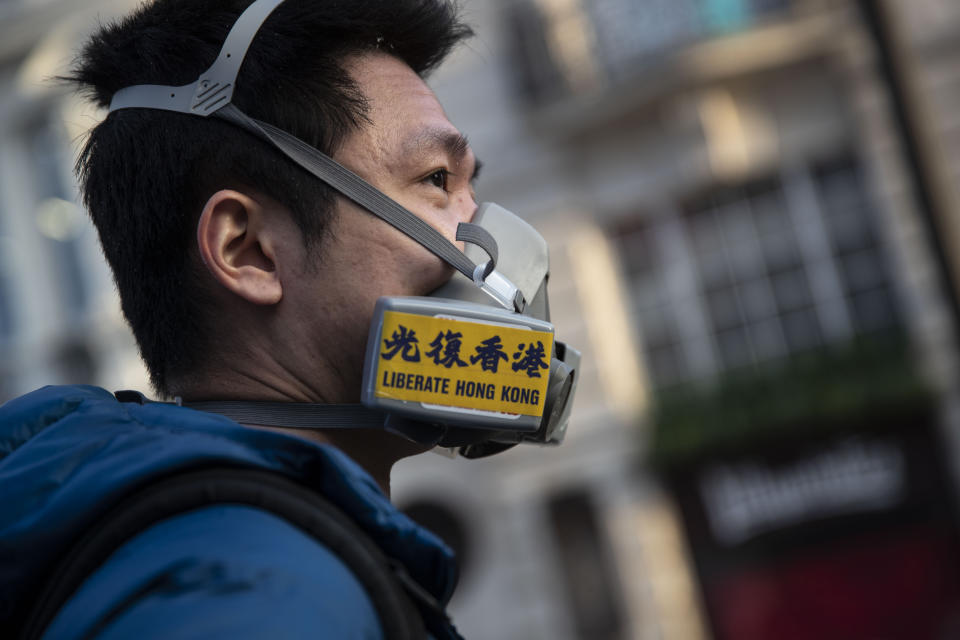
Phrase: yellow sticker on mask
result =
(461, 363)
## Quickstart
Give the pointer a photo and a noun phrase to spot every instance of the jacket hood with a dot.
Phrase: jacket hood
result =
(67, 454)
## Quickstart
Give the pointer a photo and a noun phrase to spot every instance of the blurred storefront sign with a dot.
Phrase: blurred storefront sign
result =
(831, 519)
(746, 498)
(846, 537)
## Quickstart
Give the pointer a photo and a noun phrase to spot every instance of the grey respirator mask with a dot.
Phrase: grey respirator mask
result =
(474, 366)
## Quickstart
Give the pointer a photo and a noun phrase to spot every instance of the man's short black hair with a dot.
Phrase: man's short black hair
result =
(146, 174)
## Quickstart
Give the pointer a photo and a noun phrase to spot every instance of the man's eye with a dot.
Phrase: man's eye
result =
(439, 178)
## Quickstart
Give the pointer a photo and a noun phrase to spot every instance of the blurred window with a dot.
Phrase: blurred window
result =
(854, 240)
(756, 260)
(628, 30)
(554, 41)
(586, 560)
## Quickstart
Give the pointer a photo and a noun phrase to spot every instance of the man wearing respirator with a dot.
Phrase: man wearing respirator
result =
(292, 226)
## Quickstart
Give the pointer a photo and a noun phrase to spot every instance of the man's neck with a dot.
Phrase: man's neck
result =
(313, 373)
(268, 380)
(376, 451)
(373, 449)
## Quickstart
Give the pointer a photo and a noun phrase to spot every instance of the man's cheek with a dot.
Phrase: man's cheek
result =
(433, 274)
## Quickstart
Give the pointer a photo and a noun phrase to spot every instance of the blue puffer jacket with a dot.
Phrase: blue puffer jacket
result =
(229, 571)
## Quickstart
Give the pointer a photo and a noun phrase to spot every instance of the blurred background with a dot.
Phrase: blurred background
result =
(752, 211)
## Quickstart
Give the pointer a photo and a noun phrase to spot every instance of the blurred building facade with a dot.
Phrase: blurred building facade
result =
(725, 188)
(737, 246)
(59, 316)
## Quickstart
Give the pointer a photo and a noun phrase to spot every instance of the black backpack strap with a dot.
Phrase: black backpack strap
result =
(177, 494)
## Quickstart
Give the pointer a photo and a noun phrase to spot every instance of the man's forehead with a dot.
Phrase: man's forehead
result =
(386, 81)
(404, 114)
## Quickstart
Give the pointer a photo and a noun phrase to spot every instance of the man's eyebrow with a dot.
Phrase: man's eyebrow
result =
(452, 143)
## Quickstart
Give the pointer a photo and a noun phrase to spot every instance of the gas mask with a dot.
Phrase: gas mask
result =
(466, 357)
(473, 367)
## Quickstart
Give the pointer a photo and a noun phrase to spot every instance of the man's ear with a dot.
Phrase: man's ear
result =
(237, 247)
